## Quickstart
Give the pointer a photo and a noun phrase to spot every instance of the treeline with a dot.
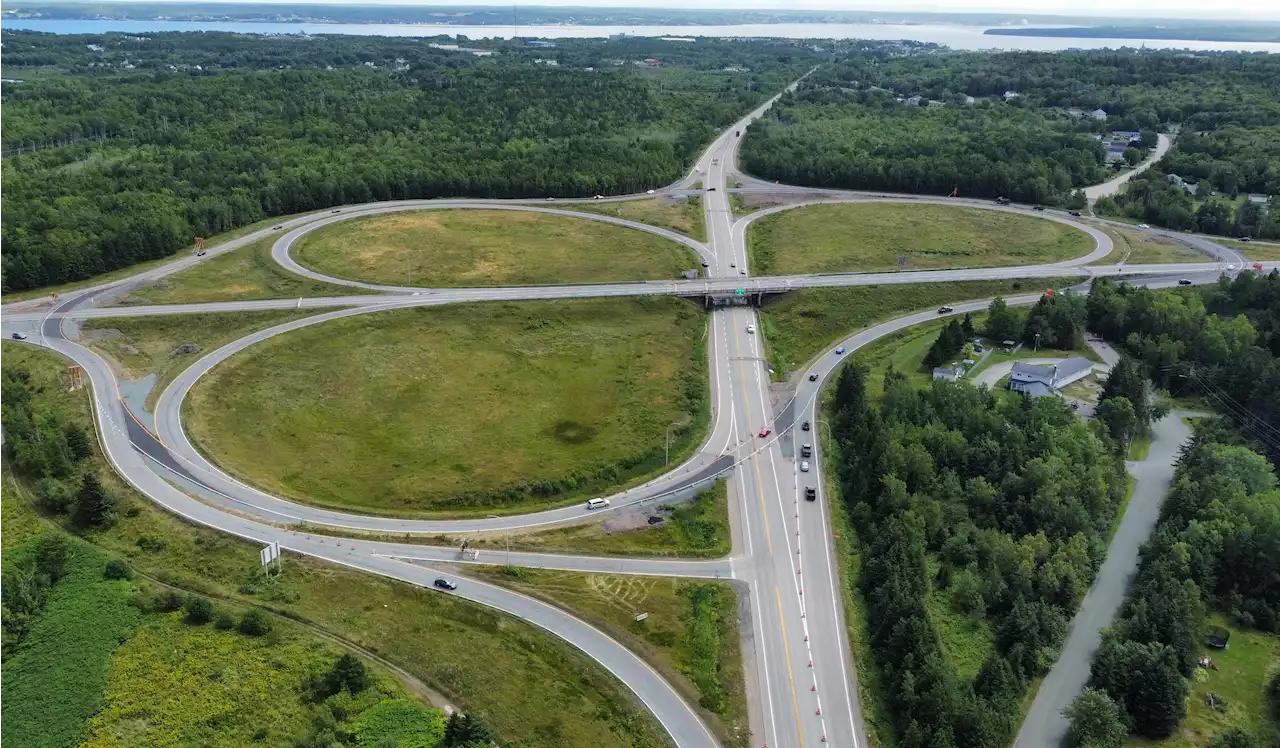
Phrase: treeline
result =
(195, 153)
(958, 478)
(844, 126)
(1221, 345)
(1217, 546)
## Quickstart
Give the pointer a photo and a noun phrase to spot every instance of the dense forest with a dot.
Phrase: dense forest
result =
(1223, 345)
(852, 124)
(998, 507)
(1217, 546)
(125, 155)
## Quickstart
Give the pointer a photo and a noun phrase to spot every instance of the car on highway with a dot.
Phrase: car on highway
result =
(201, 253)
(945, 310)
(446, 584)
(804, 466)
(806, 450)
(711, 189)
(1231, 268)
(804, 426)
(336, 210)
(648, 192)
(19, 336)
(1143, 226)
(813, 377)
(706, 265)
(840, 351)
(742, 271)
(1184, 282)
(277, 227)
(599, 197)
(810, 493)
(1037, 207)
(1075, 213)
(1002, 201)
(597, 503)
(551, 199)
(751, 329)
(1246, 238)
(733, 264)
(765, 431)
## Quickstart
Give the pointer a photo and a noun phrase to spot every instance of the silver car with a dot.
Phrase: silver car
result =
(804, 466)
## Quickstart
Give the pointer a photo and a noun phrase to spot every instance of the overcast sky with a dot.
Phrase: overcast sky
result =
(1239, 10)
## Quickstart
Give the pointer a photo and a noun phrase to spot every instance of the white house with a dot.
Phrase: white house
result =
(949, 373)
(1038, 380)
(912, 101)
(1073, 112)
(1010, 95)
(1098, 114)
(969, 100)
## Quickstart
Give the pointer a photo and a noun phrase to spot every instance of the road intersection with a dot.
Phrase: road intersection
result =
(804, 691)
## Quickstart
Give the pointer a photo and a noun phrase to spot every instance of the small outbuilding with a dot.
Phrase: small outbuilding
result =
(1218, 637)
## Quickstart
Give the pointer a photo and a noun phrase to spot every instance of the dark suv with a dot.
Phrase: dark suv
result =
(446, 584)
(810, 493)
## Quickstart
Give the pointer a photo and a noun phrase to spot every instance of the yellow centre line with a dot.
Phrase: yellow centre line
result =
(795, 703)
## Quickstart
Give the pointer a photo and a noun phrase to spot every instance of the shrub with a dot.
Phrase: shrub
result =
(53, 496)
(224, 622)
(1273, 691)
(117, 569)
(150, 544)
(347, 674)
(255, 623)
(166, 601)
(198, 610)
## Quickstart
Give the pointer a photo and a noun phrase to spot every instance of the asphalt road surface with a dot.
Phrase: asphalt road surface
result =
(801, 682)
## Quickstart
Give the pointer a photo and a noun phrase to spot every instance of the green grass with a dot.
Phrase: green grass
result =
(243, 274)
(698, 528)
(903, 351)
(1138, 247)
(489, 248)
(872, 236)
(683, 216)
(471, 407)
(56, 679)
(690, 635)
(146, 345)
(1253, 250)
(209, 243)
(800, 325)
(1120, 510)
(1138, 448)
(1239, 679)
(538, 691)
(966, 640)
(173, 684)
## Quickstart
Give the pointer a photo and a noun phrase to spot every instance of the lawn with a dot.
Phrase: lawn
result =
(538, 691)
(1137, 247)
(802, 324)
(903, 351)
(872, 236)
(680, 214)
(1238, 680)
(140, 346)
(966, 640)
(690, 633)
(468, 408)
(242, 274)
(132, 270)
(698, 528)
(437, 248)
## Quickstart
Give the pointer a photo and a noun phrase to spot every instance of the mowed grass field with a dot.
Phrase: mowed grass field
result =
(469, 408)
(1140, 248)
(489, 248)
(872, 236)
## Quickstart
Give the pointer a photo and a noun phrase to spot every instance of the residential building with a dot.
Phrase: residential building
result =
(1175, 180)
(1073, 112)
(1039, 380)
(1010, 95)
(912, 101)
(1259, 199)
(969, 101)
(1099, 115)
(949, 373)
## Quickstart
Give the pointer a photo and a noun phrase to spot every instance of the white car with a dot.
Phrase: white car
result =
(649, 192)
(751, 329)
(1143, 226)
(804, 466)
(19, 336)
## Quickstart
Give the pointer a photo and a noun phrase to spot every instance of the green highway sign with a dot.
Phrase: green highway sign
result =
(741, 292)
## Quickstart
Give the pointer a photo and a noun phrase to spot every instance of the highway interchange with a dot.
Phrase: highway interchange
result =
(801, 679)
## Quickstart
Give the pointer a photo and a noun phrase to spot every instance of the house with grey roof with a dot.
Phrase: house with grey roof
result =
(1098, 114)
(1039, 380)
(950, 373)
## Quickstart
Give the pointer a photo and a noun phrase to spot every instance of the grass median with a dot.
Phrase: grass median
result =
(537, 690)
(438, 248)
(801, 324)
(682, 214)
(465, 409)
(874, 236)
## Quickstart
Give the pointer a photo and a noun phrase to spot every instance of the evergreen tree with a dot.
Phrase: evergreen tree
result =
(1096, 721)
(94, 506)
(347, 674)
(1003, 323)
(966, 327)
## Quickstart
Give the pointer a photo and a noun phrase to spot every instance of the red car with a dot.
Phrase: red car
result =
(765, 432)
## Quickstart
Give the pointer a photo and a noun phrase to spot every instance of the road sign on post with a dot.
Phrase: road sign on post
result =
(740, 292)
(269, 553)
(76, 375)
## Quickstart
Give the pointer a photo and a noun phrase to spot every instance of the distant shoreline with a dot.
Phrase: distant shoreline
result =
(1269, 33)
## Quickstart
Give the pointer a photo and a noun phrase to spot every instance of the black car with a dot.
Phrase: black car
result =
(810, 493)
(446, 584)
(813, 377)
(1075, 213)
(711, 189)
(945, 310)
(804, 426)
(1037, 207)
(1184, 282)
